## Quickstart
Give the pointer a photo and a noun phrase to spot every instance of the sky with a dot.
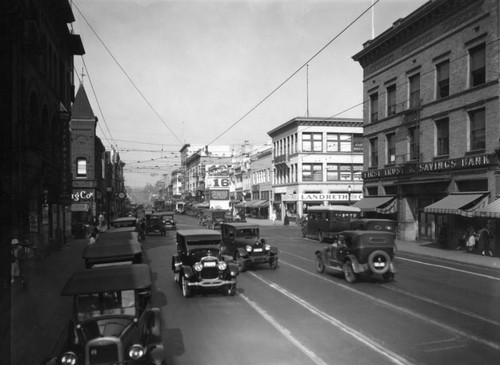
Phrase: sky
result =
(163, 73)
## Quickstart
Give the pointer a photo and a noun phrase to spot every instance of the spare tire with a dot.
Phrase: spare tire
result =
(379, 262)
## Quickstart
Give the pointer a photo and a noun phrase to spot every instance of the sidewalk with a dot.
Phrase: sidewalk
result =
(428, 249)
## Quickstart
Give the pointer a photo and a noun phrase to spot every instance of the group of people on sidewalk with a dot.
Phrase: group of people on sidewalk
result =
(477, 241)
(22, 256)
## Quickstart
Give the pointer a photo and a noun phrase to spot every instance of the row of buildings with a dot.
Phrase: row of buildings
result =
(56, 171)
(426, 151)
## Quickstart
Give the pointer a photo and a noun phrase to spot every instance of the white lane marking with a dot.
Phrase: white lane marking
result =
(286, 333)
(450, 268)
(415, 261)
(391, 356)
(444, 305)
(408, 312)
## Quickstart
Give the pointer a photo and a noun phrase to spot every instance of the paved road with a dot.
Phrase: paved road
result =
(442, 308)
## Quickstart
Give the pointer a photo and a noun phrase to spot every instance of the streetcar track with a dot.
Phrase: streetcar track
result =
(408, 312)
(421, 298)
(377, 347)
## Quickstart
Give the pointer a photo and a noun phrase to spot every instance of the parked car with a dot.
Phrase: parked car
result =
(359, 252)
(199, 265)
(113, 321)
(124, 222)
(373, 224)
(243, 243)
(114, 246)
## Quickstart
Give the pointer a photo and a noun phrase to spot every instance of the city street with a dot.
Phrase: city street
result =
(436, 311)
(431, 314)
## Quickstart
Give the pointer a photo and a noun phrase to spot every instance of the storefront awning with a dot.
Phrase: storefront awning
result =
(257, 203)
(460, 203)
(80, 207)
(379, 204)
(491, 210)
(240, 204)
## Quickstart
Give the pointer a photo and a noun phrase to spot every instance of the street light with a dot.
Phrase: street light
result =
(349, 189)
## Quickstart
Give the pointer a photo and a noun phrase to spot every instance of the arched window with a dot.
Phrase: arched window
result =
(81, 167)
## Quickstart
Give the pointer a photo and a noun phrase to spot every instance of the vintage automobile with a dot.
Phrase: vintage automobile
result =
(243, 243)
(359, 252)
(373, 224)
(198, 264)
(154, 224)
(215, 217)
(113, 321)
(168, 221)
(114, 246)
(124, 222)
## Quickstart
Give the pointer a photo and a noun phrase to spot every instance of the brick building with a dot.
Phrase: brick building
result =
(431, 116)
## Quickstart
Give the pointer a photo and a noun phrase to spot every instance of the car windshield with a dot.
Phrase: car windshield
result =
(107, 303)
(204, 243)
(247, 232)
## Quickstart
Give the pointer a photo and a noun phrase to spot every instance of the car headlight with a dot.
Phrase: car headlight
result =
(248, 248)
(136, 352)
(222, 265)
(389, 228)
(198, 266)
(68, 358)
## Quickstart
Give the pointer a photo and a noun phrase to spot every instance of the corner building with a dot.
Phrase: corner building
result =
(431, 117)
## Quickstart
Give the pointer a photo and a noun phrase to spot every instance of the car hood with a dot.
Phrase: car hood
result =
(107, 327)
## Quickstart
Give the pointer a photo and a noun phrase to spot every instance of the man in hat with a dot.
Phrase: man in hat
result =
(14, 260)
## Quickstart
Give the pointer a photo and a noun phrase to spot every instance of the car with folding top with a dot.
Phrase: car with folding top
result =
(214, 217)
(356, 253)
(113, 321)
(167, 221)
(243, 243)
(114, 246)
(155, 223)
(198, 264)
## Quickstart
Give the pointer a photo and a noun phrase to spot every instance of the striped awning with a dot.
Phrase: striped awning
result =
(464, 204)
(257, 203)
(491, 210)
(380, 204)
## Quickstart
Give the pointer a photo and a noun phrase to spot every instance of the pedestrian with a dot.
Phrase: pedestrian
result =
(484, 235)
(286, 220)
(26, 256)
(92, 238)
(470, 242)
(14, 261)
(273, 216)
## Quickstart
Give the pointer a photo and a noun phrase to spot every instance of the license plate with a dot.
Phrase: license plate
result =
(210, 264)
(378, 264)
(257, 249)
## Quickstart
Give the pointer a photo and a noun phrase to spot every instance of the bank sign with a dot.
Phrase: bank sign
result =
(430, 167)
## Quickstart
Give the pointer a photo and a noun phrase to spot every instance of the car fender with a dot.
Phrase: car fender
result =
(157, 353)
(323, 254)
(233, 269)
(187, 271)
(155, 326)
(356, 266)
(274, 251)
(175, 263)
(242, 252)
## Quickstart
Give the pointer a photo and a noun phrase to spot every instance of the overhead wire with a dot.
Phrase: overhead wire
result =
(128, 77)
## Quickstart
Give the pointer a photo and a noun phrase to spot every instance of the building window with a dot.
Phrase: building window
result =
(477, 130)
(373, 107)
(357, 169)
(312, 142)
(414, 91)
(357, 143)
(391, 148)
(414, 143)
(391, 100)
(332, 172)
(312, 172)
(443, 79)
(373, 152)
(332, 142)
(477, 65)
(345, 172)
(443, 136)
(81, 167)
(344, 142)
